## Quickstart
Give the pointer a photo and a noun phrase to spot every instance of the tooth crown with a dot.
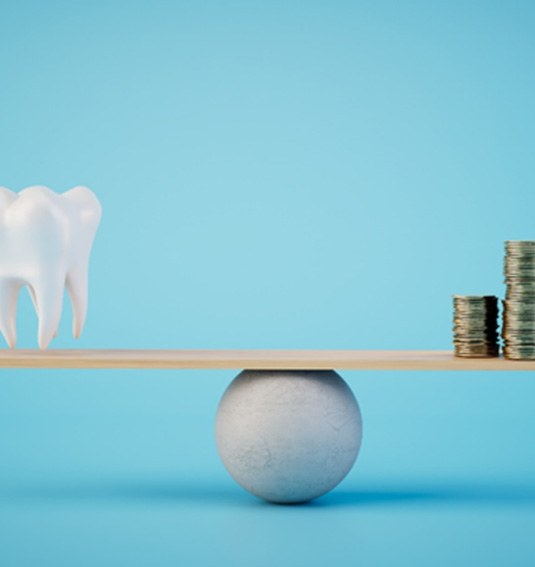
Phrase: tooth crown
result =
(45, 244)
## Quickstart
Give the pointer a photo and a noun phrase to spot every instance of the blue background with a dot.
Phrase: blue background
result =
(276, 174)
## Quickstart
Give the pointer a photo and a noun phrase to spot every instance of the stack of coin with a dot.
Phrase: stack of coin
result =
(518, 330)
(475, 326)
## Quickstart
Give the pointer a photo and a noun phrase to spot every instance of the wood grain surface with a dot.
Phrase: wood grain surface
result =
(255, 359)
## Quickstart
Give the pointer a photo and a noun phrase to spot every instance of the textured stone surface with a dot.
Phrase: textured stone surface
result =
(288, 436)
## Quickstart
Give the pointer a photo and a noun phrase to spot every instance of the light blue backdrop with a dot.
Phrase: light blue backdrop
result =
(273, 175)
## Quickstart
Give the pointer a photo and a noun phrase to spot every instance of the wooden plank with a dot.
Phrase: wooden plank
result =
(255, 359)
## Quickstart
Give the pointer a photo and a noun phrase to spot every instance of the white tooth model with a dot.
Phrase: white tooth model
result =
(45, 243)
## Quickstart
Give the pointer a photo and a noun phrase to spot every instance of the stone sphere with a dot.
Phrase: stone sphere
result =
(288, 436)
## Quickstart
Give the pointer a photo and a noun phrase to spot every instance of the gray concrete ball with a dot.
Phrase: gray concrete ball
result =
(288, 436)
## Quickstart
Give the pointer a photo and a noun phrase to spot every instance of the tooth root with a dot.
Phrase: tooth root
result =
(34, 301)
(77, 288)
(9, 293)
(49, 299)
